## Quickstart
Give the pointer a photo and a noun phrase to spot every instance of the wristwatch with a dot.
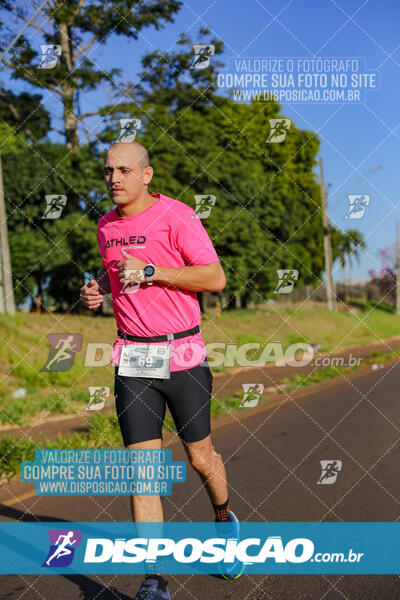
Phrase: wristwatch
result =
(149, 271)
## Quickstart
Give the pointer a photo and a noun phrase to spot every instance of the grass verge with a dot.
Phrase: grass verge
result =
(24, 348)
(102, 432)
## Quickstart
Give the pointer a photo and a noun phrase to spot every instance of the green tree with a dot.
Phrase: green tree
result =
(347, 245)
(52, 255)
(78, 26)
(268, 210)
(16, 111)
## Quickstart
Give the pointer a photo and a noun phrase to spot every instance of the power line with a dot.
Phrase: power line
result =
(15, 40)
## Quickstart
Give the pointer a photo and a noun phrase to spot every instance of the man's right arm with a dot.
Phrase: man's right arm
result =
(104, 282)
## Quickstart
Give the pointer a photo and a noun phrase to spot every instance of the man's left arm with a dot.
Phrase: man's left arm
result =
(203, 271)
(196, 278)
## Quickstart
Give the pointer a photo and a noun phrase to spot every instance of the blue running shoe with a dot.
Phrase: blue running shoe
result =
(234, 570)
(150, 590)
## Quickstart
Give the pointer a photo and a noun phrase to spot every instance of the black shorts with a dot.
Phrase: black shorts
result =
(141, 403)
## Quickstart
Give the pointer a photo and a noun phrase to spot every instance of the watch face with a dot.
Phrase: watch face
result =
(149, 270)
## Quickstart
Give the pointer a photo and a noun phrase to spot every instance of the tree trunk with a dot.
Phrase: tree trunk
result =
(230, 302)
(70, 118)
(244, 300)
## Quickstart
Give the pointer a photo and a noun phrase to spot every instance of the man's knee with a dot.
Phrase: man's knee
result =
(204, 459)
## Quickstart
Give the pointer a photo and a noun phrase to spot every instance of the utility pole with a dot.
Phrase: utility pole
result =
(330, 289)
(6, 288)
(398, 270)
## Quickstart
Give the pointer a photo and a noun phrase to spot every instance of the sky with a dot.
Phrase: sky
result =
(359, 140)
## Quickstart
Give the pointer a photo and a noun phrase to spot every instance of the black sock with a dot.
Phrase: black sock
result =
(222, 511)
(162, 583)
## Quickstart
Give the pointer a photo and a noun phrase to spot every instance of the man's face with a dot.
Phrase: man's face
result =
(123, 174)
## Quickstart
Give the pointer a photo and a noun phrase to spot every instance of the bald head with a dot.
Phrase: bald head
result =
(134, 150)
(127, 173)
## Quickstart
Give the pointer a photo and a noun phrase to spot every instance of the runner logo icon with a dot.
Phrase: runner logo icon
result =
(357, 205)
(54, 206)
(251, 394)
(286, 280)
(330, 470)
(62, 351)
(133, 277)
(98, 397)
(50, 56)
(62, 547)
(129, 129)
(204, 205)
(202, 55)
(279, 129)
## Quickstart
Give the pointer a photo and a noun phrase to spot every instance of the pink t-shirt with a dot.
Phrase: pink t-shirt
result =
(167, 234)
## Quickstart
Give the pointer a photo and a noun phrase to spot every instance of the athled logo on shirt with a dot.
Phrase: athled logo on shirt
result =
(133, 239)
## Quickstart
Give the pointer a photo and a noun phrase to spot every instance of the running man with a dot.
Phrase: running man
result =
(64, 348)
(205, 205)
(62, 549)
(55, 205)
(280, 128)
(203, 56)
(171, 251)
(287, 279)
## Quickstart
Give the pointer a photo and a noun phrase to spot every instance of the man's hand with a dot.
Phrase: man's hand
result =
(130, 269)
(91, 297)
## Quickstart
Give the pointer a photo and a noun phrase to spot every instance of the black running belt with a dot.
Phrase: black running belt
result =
(159, 338)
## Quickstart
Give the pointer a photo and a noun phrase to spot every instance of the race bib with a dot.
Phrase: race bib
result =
(145, 360)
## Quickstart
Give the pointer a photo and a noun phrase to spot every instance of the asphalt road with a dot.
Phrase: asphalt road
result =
(272, 454)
